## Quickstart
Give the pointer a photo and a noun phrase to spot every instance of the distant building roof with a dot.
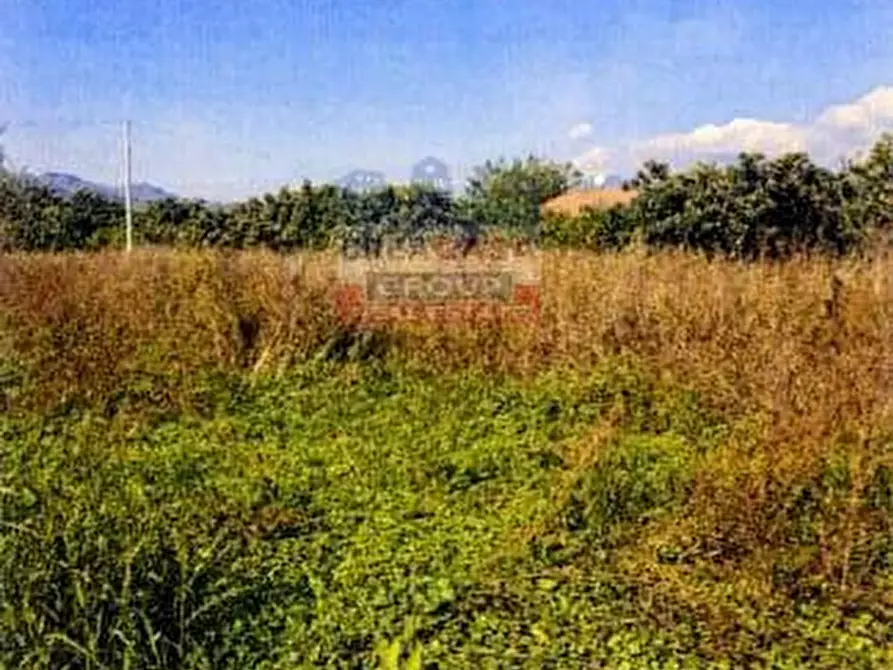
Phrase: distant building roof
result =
(572, 202)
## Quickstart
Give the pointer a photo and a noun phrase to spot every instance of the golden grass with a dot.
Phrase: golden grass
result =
(86, 323)
(803, 338)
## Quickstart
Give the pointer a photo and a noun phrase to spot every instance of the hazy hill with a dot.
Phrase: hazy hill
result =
(65, 183)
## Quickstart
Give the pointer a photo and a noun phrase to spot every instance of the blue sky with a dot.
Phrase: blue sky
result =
(232, 98)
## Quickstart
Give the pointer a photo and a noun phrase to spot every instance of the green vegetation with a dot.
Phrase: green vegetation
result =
(500, 196)
(507, 196)
(750, 209)
(689, 465)
(307, 520)
(753, 208)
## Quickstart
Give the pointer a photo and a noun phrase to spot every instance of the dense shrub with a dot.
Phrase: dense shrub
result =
(749, 209)
(508, 196)
(594, 229)
(752, 208)
(32, 218)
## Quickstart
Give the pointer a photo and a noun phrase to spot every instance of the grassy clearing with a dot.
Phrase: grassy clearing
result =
(691, 464)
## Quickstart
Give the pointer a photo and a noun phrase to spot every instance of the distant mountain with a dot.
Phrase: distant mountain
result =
(66, 184)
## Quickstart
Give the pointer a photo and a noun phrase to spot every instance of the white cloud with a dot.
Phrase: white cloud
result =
(738, 135)
(851, 129)
(838, 131)
(596, 160)
(869, 112)
(580, 131)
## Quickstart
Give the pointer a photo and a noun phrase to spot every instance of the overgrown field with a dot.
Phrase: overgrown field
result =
(689, 464)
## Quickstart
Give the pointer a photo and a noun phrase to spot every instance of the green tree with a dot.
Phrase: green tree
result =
(869, 185)
(509, 195)
(32, 218)
(85, 215)
(755, 207)
(399, 217)
(423, 212)
(176, 222)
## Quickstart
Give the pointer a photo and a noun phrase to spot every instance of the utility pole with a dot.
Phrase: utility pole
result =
(128, 205)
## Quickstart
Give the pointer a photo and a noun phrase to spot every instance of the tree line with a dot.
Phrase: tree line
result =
(754, 207)
(504, 195)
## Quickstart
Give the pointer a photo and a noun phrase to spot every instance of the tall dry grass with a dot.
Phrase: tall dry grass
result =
(85, 325)
(801, 350)
(804, 352)
(807, 338)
